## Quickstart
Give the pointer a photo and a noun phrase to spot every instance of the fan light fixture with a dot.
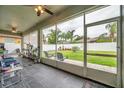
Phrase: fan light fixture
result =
(14, 29)
(39, 10)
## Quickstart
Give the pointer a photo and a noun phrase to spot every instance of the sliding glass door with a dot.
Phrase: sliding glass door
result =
(49, 43)
(70, 37)
(102, 53)
(102, 47)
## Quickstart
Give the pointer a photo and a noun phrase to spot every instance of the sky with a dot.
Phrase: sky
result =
(95, 31)
(77, 24)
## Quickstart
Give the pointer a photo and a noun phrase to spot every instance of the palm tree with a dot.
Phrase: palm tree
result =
(70, 35)
(53, 36)
(63, 37)
(112, 28)
(58, 34)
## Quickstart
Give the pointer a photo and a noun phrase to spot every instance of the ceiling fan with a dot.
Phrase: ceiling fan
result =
(40, 9)
(13, 28)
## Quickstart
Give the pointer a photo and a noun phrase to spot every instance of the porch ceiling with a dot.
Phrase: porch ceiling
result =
(23, 17)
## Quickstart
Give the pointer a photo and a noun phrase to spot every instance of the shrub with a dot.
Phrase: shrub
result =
(103, 40)
(75, 48)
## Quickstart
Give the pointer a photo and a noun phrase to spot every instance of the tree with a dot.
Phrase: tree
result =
(58, 34)
(112, 28)
(70, 35)
(63, 37)
(53, 36)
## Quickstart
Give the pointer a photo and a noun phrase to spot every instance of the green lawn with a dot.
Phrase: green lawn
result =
(101, 60)
(107, 61)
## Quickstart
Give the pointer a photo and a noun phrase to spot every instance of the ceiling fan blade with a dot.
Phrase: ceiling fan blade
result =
(48, 11)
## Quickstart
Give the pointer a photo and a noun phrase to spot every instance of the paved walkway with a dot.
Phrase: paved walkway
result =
(93, 66)
(90, 65)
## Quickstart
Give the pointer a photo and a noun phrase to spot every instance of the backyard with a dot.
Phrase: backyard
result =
(101, 42)
(101, 60)
(79, 56)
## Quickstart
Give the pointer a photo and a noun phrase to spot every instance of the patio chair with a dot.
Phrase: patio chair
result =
(48, 55)
(60, 56)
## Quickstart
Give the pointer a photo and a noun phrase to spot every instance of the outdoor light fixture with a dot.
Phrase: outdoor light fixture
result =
(39, 10)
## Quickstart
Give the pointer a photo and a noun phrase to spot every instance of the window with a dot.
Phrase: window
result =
(34, 39)
(26, 40)
(102, 14)
(70, 37)
(49, 42)
(11, 43)
(31, 38)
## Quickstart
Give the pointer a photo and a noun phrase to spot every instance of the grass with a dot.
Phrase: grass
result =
(101, 60)
(107, 61)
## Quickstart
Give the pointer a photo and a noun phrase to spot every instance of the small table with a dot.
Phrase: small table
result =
(9, 74)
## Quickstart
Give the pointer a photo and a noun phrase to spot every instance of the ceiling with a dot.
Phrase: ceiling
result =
(23, 17)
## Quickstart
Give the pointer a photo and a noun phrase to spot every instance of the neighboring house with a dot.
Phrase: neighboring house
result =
(92, 40)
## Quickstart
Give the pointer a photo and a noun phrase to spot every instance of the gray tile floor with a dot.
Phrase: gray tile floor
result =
(43, 76)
